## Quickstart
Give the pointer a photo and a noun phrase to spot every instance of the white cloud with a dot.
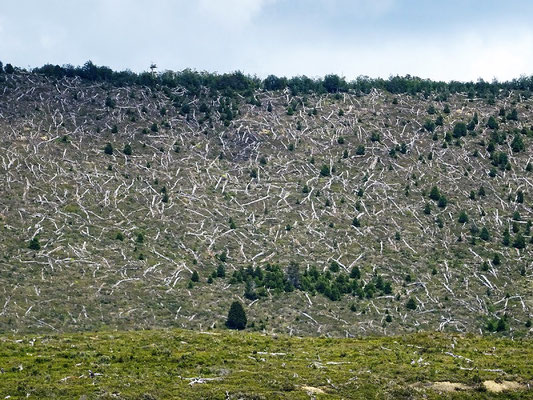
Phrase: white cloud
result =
(231, 13)
(504, 54)
(356, 8)
(51, 37)
(373, 8)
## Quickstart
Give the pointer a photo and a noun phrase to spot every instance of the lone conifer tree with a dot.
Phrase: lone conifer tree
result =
(127, 150)
(411, 304)
(195, 277)
(325, 171)
(236, 316)
(463, 217)
(519, 241)
(34, 244)
(459, 130)
(108, 149)
(435, 193)
(492, 123)
(221, 271)
(484, 235)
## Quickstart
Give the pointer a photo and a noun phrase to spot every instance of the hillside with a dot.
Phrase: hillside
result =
(343, 214)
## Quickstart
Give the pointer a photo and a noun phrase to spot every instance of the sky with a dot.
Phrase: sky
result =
(438, 39)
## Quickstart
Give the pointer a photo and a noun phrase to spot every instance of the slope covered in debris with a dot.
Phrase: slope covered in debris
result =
(347, 213)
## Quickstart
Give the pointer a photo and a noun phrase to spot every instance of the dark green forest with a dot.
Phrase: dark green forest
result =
(237, 82)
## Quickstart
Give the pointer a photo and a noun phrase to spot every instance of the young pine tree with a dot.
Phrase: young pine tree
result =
(492, 123)
(236, 316)
(506, 237)
(519, 241)
(195, 277)
(434, 194)
(355, 273)
(484, 235)
(34, 244)
(108, 149)
(463, 217)
(411, 304)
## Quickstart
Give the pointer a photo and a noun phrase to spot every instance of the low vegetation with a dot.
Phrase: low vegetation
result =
(163, 364)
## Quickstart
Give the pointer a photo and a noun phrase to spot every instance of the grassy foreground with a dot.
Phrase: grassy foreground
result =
(182, 364)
